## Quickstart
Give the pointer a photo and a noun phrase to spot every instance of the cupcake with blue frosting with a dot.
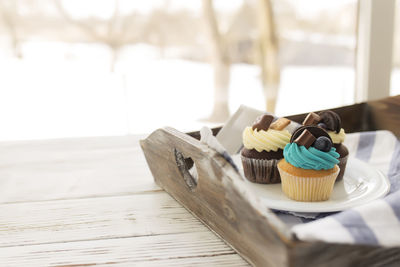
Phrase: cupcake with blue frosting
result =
(310, 165)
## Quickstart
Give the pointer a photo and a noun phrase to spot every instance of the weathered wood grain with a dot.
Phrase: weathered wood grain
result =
(76, 202)
(220, 199)
(332, 255)
(85, 201)
(34, 223)
(385, 114)
(354, 117)
(72, 168)
(201, 249)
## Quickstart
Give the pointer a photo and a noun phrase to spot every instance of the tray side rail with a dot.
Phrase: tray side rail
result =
(382, 114)
(217, 196)
(208, 187)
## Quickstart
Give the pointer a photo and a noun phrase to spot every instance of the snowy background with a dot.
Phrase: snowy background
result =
(61, 89)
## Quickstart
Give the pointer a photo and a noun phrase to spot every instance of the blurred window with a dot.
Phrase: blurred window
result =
(395, 82)
(108, 67)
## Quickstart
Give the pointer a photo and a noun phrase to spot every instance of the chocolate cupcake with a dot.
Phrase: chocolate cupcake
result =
(330, 121)
(263, 148)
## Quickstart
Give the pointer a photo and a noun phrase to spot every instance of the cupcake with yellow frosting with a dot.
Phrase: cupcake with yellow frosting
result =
(331, 123)
(263, 148)
(309, 168)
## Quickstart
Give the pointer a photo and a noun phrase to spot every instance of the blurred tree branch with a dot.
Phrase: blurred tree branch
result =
(268, 54)
(80, 24)
(116, 30)
(220, 62)
(9, 15)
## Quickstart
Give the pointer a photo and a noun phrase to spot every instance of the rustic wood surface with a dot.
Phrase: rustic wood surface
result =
(220, 199)
(216, 194)
(93, 201)
(383, 114)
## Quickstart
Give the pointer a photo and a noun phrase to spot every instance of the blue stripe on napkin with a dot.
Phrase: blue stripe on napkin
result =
(394, 169)
(394, 203)
(355, 224)
(354, 228)
(365, 145)
(351, 219)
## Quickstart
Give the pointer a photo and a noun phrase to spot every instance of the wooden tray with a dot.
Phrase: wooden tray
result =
(221, 200)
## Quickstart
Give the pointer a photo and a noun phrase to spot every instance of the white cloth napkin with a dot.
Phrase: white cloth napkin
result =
(375, 223)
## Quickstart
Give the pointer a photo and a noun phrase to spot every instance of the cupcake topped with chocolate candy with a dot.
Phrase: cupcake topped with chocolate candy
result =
(331, 122)
(309, 168)
(263, 143)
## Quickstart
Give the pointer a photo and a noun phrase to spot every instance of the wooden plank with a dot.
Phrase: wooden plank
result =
(219, 198)
(385, 114)
(224, 260)
(94, 218)
(85, 169)
(72, 168)
(345, 255)
(350, 122)
(201, 249)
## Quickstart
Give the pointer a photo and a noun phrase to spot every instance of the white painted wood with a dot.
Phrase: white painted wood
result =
(374, 49)
(202, 249)
(34, 223)
(72, 168)
(84, 201)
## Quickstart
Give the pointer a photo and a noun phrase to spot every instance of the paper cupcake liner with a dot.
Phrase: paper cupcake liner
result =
(308, 188)
(262, 171)
(342, 166)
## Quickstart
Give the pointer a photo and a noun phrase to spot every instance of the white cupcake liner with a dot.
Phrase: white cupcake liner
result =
(308, 188)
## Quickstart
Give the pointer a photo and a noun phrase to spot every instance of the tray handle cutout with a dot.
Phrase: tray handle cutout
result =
(187, 168)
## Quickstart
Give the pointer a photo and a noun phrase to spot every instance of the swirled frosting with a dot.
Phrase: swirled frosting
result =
(337, 138)
(311, 158)
(270, 140)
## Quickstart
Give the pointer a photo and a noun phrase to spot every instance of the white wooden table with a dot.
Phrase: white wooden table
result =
(93, 201)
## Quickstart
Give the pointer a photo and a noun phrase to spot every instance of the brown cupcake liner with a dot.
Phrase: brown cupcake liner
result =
(342, 165)
(261, 171)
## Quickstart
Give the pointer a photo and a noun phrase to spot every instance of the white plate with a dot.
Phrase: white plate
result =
(361, 184)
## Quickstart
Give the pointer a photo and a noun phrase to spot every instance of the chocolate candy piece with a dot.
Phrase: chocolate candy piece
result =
(323, 143)
(311, 119)
(331, 119)
(280, 124)
(263, 122)
(306, 138)
(316, 131)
